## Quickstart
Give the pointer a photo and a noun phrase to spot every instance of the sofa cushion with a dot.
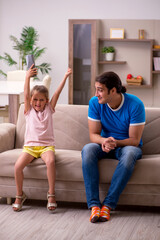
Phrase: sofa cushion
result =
(69, 167)
(146, 170)
(70, 127)
(7, 136)
(151, 134)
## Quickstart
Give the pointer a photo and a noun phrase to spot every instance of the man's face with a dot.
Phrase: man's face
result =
(102, 93)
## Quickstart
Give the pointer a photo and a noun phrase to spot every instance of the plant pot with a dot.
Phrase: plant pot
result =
(109, 56)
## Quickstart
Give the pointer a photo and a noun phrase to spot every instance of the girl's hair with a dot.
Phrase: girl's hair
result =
(111, 80)
(40, 89)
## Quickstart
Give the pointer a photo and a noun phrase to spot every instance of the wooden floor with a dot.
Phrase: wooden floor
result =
(71, 222)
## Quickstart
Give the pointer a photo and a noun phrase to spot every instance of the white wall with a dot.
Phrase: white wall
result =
(50, 18)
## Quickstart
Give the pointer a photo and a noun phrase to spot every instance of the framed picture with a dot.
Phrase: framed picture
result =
(117, 33)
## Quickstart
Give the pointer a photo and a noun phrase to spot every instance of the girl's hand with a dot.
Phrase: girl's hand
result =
(32, 71)
(69, 72)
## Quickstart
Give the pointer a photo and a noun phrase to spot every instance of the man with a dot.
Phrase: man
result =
(116, 121)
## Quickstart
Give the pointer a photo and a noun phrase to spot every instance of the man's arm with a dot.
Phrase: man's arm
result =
(95, 128)
(95, 131)
(135, 134)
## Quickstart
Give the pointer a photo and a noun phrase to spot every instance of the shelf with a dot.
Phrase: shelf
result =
(156, 49)
(138, 86)
(125, 50)
(112, 62)
(156, 72)
(126, 40)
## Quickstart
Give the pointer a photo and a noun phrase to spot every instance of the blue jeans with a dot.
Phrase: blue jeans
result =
(93, 152)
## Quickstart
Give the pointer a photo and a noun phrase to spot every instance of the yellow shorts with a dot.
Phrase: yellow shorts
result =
(37, 151)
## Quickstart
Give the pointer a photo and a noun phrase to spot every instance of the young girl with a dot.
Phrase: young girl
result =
(39, 138)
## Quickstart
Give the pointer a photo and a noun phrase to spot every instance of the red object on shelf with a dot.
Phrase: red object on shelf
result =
(129, 76)
(139, 77)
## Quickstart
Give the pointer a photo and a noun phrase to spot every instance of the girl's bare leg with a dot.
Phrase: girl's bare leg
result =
(23, 160)
(49, 159)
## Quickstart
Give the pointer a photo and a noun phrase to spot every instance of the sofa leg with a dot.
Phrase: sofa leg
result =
(9, 201)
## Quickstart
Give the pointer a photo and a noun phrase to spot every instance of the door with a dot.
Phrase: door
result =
(82, 60)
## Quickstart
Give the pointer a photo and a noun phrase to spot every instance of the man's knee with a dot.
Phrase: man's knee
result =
(89, 152)
(129, 156)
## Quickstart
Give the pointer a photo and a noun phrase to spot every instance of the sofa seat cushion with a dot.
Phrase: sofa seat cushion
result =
(146, 170)
(69, 167)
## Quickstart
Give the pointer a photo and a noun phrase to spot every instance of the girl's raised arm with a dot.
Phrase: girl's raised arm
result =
(27, 97)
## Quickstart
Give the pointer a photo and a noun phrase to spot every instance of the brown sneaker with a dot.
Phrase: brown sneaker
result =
(104, 214)
(95, 214)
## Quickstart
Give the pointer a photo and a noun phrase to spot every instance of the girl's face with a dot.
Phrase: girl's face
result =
(38, 101)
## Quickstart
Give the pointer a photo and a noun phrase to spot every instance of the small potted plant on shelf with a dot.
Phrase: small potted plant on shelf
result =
(109, 53)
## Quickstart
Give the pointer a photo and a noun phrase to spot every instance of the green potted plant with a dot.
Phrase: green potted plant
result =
(109, 53)
(26, 45)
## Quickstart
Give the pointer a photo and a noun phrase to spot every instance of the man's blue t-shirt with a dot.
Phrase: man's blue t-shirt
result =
(116, 122)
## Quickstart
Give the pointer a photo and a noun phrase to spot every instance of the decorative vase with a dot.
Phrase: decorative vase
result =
(109, 56)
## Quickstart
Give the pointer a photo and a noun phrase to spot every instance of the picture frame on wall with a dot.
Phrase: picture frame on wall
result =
(117, 33)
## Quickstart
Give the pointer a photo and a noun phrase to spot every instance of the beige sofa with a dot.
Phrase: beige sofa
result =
(71, 134)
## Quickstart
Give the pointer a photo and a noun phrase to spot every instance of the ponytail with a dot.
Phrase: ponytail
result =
(123, 89)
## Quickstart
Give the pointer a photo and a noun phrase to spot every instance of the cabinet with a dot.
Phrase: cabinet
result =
(132, 56)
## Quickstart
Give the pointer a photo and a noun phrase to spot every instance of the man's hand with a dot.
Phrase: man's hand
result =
(109, 144)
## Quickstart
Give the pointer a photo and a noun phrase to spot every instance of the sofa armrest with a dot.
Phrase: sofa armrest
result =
(7, 136)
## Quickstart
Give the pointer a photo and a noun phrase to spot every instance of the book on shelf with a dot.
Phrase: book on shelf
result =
(156, 61)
